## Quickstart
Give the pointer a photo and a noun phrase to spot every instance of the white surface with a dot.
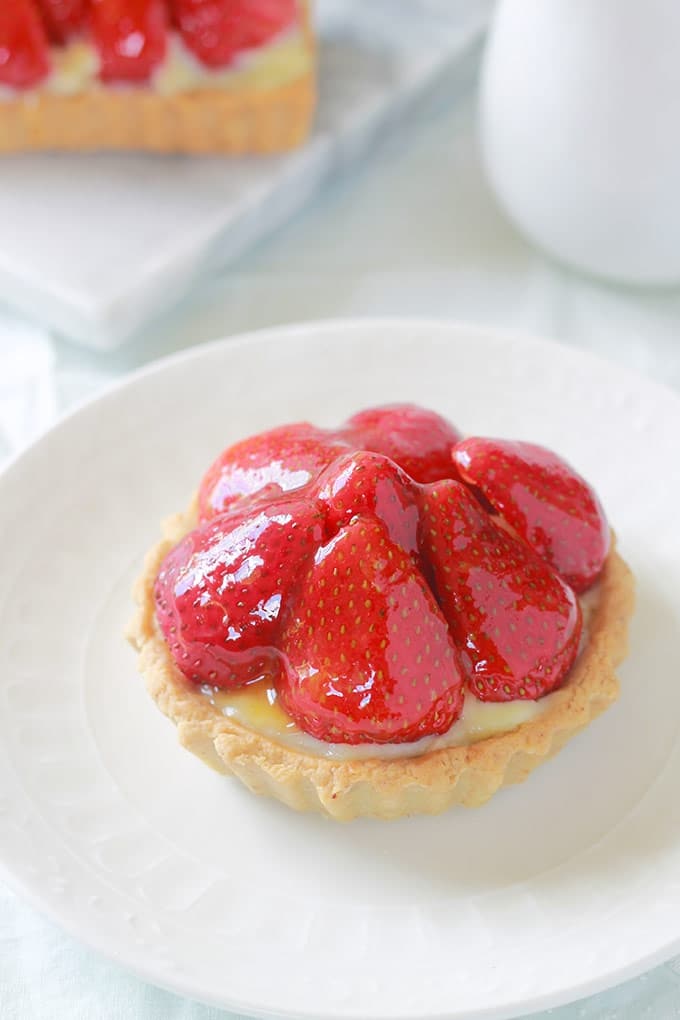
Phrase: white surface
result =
(413, 232)
(581, 127)
(568, 882)
(95, 246)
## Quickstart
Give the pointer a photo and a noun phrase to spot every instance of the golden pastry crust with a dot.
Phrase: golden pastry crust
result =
(206, 121)
(210, 120)
(382, 788)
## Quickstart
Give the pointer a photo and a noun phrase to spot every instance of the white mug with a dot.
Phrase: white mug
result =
(580, 131)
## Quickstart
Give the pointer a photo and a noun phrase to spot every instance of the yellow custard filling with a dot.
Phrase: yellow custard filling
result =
(257, 707)
(75, 68)
(273, 65)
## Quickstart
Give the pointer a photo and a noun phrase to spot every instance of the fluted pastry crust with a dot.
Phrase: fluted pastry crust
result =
(383, 788)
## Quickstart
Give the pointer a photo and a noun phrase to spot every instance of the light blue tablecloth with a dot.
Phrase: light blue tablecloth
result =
(414, 232)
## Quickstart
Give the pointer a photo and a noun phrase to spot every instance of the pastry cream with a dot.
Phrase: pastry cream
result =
(257, 707)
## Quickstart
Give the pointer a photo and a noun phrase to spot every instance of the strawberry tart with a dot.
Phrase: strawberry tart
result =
(386, 618)
(164, 75)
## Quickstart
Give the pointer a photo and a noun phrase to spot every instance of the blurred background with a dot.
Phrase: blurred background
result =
(420, 193)
(110, 261)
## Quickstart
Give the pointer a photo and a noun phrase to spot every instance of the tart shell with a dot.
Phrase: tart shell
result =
(380, 788)
(210, 120)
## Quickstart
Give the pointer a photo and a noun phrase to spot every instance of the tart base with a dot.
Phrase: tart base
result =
(380, 788)
(202, 121)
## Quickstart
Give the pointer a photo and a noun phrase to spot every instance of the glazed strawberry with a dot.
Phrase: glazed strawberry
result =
(370, 485)
(370, 657)
(515, 623)
(280, 460)
(131, 36)
(219, 592)
(24, 53)
(545, 502)
(419, 441)
(216, 31)
(62, 18)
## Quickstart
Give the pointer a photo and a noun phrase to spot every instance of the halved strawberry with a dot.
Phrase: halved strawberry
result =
(279, 460)
(131, 36)
(217, 30)
(367, 484)
(62, 18)
(420, 441)
(24, 50)
(515, 623)
(544, 500)
(219, 592)
(370, 657)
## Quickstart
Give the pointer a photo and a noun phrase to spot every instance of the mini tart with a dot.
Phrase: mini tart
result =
(382, 788)
(244, 118)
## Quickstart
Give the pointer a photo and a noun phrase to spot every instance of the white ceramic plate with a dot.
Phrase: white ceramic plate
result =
(554, 890)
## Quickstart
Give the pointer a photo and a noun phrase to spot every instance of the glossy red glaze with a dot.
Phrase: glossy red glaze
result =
(283, 459)
(292, 456)
(219, 592)
(370, 657)
(367, 484)
(544, 500)
(420, 441)
(24, 53)
(515, 623)
(131, 36)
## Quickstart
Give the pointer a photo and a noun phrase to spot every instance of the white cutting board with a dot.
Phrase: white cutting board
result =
(94, 246)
